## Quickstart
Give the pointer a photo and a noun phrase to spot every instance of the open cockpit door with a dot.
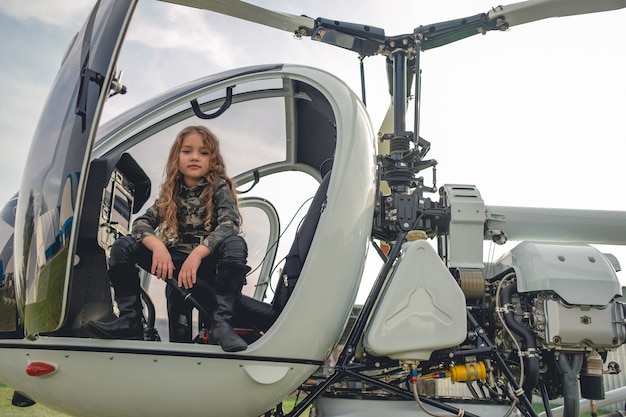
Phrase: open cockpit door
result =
(52, 189)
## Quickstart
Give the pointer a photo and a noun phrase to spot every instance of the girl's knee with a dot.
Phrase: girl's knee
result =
(122, 250)
(233, 249)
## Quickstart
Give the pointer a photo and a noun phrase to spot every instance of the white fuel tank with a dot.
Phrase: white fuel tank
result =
(422, 308)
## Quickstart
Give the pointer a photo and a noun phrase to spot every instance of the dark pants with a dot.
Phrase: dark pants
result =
(126, 252)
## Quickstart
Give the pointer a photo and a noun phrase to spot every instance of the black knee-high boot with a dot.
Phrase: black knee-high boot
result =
(229, 280)
(178, 316)
(129, 324)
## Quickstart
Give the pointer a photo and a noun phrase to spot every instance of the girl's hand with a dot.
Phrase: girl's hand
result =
(162, 265)
(189, 269)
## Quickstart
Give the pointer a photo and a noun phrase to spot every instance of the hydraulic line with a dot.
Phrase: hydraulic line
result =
(530, 360)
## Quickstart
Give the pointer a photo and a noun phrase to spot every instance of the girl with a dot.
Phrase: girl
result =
(191, 233)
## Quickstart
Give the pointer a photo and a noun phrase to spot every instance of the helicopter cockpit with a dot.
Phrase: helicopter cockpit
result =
(278, 135)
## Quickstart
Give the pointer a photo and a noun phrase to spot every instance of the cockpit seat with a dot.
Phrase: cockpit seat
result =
(259, 315)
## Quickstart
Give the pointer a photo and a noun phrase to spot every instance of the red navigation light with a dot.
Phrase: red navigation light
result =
(39, 369)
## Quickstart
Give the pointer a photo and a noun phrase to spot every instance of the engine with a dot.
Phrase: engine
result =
(554, 306)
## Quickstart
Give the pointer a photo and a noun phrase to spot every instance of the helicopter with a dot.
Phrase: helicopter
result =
(330, 137)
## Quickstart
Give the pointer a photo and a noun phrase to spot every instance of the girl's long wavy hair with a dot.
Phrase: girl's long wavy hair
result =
(167, 201)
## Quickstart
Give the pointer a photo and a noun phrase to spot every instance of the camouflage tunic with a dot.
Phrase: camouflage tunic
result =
(191, 215)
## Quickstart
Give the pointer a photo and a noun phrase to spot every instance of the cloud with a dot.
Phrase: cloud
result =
(203, 33)
(72, 12)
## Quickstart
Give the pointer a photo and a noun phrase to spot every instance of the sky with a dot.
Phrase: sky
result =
(533, 116)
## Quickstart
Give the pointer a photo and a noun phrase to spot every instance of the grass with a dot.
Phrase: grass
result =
(9, 410)
(539, 409)
(290, 402)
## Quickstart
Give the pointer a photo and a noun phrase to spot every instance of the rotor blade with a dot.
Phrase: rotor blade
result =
(602, 227)
(503, 17)
(530, 11)
(301, 25)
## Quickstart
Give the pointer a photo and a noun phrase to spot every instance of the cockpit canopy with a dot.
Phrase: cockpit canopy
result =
(278, 130)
